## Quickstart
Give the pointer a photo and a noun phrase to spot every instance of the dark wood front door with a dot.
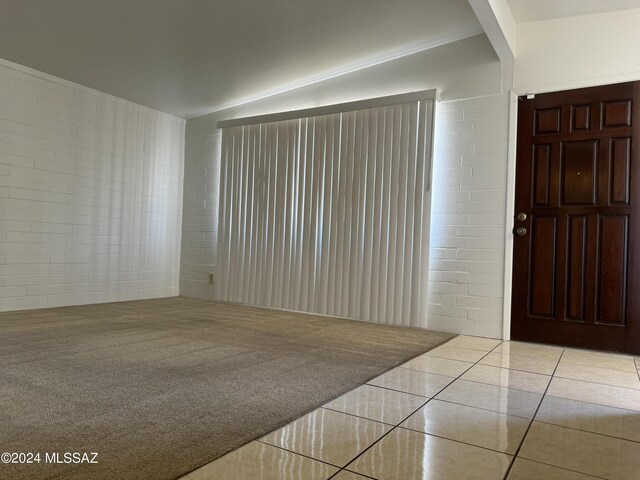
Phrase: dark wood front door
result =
(576, 269)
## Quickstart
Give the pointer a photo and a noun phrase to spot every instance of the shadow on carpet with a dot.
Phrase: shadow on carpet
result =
(161, 387)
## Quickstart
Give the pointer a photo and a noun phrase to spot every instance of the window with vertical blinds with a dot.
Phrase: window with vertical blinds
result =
(329, 212)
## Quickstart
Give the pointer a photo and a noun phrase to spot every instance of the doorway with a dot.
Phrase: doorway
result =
(576, 271)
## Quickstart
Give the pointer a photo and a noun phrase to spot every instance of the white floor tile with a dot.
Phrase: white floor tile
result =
(379, 404)
(617, 397)
(606, 376)
(491, 397)
(529, 382)
(524, 469)
(412, 381)
(409, 455)
(590, 417)
(583, 452)
(517, 362)
(534, 350)
(440, 366)
(328, 436)
(474, 343)
(624, 363)
(470, 425)
(456, 353)
(260, 461)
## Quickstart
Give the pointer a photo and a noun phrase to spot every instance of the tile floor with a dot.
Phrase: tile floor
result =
(473, 408)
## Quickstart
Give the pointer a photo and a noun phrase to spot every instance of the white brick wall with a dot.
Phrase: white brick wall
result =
(90, 195)
(200, 217)
(468, 216)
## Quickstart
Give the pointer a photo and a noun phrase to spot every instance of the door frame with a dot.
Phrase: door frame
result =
(509, 214)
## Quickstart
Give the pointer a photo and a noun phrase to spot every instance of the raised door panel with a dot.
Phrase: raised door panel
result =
(620, 159)
(616, 114)
(576, 267)
(547, 121)
(613, 269)
(580, 117)
(543, 266)
(541, 174)
(579, 167)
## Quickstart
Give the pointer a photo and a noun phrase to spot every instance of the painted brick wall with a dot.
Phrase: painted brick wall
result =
(90, 195)
(200, 217)
(466, 271)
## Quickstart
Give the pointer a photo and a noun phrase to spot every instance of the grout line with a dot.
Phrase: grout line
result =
(298, 453)
(456, 441)
(412, 413)
(402, 391)
(515, 369)
(404, 419)
(600, 383)
(596, 352)
(587, 431)
(384, 435)
(508, 388)
(599, 367)
(391, 389)
(370, 446)
(552, 375)
(424, 371)
(349, 471)
(502, 368)
(421, 371)
(524, 437)
(589, 475)
(490, 384)
(481, 350)
(457, 359)
(596, 404)
(487, 409)
(473, 364)
(370, 419)
(394, 428)
(537, 359)
(453, 379)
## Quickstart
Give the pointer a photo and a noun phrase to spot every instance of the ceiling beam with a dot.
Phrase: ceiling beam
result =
(498, 24)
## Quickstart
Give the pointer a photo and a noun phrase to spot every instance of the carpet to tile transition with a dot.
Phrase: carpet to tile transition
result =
(161, 387)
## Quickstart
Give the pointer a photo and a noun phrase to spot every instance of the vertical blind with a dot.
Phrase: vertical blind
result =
(330, 213)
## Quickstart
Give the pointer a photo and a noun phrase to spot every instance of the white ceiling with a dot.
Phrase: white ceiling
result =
(190, 57)
(535, 10)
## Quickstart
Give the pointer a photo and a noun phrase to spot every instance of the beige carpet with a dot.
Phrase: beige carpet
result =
(160, 387)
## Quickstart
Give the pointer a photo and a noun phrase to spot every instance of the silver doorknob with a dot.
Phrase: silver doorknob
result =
(521, 231)
(522, 216)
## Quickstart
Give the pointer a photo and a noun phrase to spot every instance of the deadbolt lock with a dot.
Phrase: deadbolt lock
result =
(522, 216)
(521, 231)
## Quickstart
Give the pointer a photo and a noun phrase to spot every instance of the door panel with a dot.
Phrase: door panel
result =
(541, 174)
(579, 168)
(543, 266)
(620, 163)
(576, 268)
(616, 114)
(613, 262)
(577, 241)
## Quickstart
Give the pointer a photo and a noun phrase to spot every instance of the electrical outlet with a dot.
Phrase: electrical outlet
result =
(211, 278)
